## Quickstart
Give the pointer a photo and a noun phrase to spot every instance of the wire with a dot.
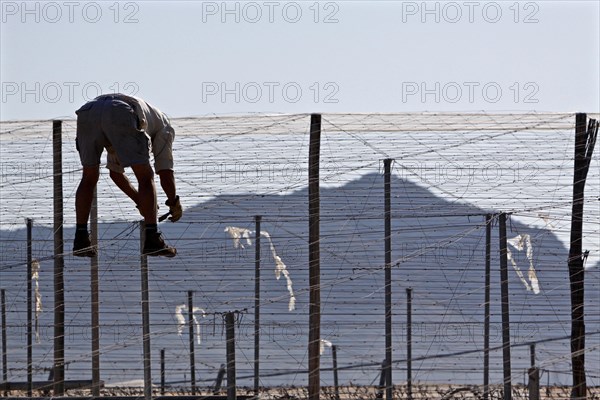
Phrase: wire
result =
(449, 171)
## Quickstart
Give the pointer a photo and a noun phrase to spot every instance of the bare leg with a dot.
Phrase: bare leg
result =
(146, 192)
(154, 244)
(85, 194)
(83, 204)
(124, 184)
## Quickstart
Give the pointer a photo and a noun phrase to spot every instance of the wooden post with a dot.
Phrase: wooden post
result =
(486, 318)
(257, 228)
(219, 380)
(409, 343)
(4, 339)
(230, 344)
(381, 388)
(388, 278)
(585, 140)
(59, 263)
(145, 316)
(505, 309)
(534, 377)
(162, 372)
(95, 297)
(29, 309)
(191, 340)
(532, 355)
(336, 386)
(314, 266)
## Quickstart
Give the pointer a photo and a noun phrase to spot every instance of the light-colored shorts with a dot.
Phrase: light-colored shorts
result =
(110, 122)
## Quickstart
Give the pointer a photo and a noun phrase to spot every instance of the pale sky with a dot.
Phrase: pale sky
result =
(209, 57)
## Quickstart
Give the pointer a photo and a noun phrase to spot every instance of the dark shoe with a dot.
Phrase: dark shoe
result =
(82, 246)
(154, 245)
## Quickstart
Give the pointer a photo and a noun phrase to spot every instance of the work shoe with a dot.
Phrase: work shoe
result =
(82, 246)
(154, 245)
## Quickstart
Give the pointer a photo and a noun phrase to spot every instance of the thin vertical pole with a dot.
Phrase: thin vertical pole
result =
(534, 376)
(219, 380)
(336, 386)
(505, 309)
(95, 299)
(190, 296)
(257, 228)
(29, 309)
(388, 278)
(486, 318)
(532, 355)
(145, 316)
(59, 263)
(4, 339)
(314, 266)
(585, 140)
(409, 343)
(162, 372)
(230, 338)
(381, 388)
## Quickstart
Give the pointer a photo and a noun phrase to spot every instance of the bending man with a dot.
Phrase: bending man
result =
(129, 128)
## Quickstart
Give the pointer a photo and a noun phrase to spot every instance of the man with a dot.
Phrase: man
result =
(129, 128)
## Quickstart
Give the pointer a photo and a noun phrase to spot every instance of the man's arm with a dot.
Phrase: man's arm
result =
(123, 183)
(167, 182)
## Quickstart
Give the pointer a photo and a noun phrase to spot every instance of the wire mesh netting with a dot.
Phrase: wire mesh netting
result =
(449, 171)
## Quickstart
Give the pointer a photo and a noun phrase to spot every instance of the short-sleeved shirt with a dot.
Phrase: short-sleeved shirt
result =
(156, 125)
(128, 128)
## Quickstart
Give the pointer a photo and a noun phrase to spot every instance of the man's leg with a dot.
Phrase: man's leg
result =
(146, 192)
(154, 245)
(123, 183)
(83, 204)
(85, 194)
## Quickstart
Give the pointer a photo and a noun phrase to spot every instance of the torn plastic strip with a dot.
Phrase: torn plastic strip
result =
(237, 234)
(35, 276)
(521, 242)
(181, 321)
(280, 268)
(322, 344)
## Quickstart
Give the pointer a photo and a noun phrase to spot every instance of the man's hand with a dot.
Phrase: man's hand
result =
(174, 209)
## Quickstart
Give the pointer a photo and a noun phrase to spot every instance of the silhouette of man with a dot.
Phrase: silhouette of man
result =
(129, 129)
